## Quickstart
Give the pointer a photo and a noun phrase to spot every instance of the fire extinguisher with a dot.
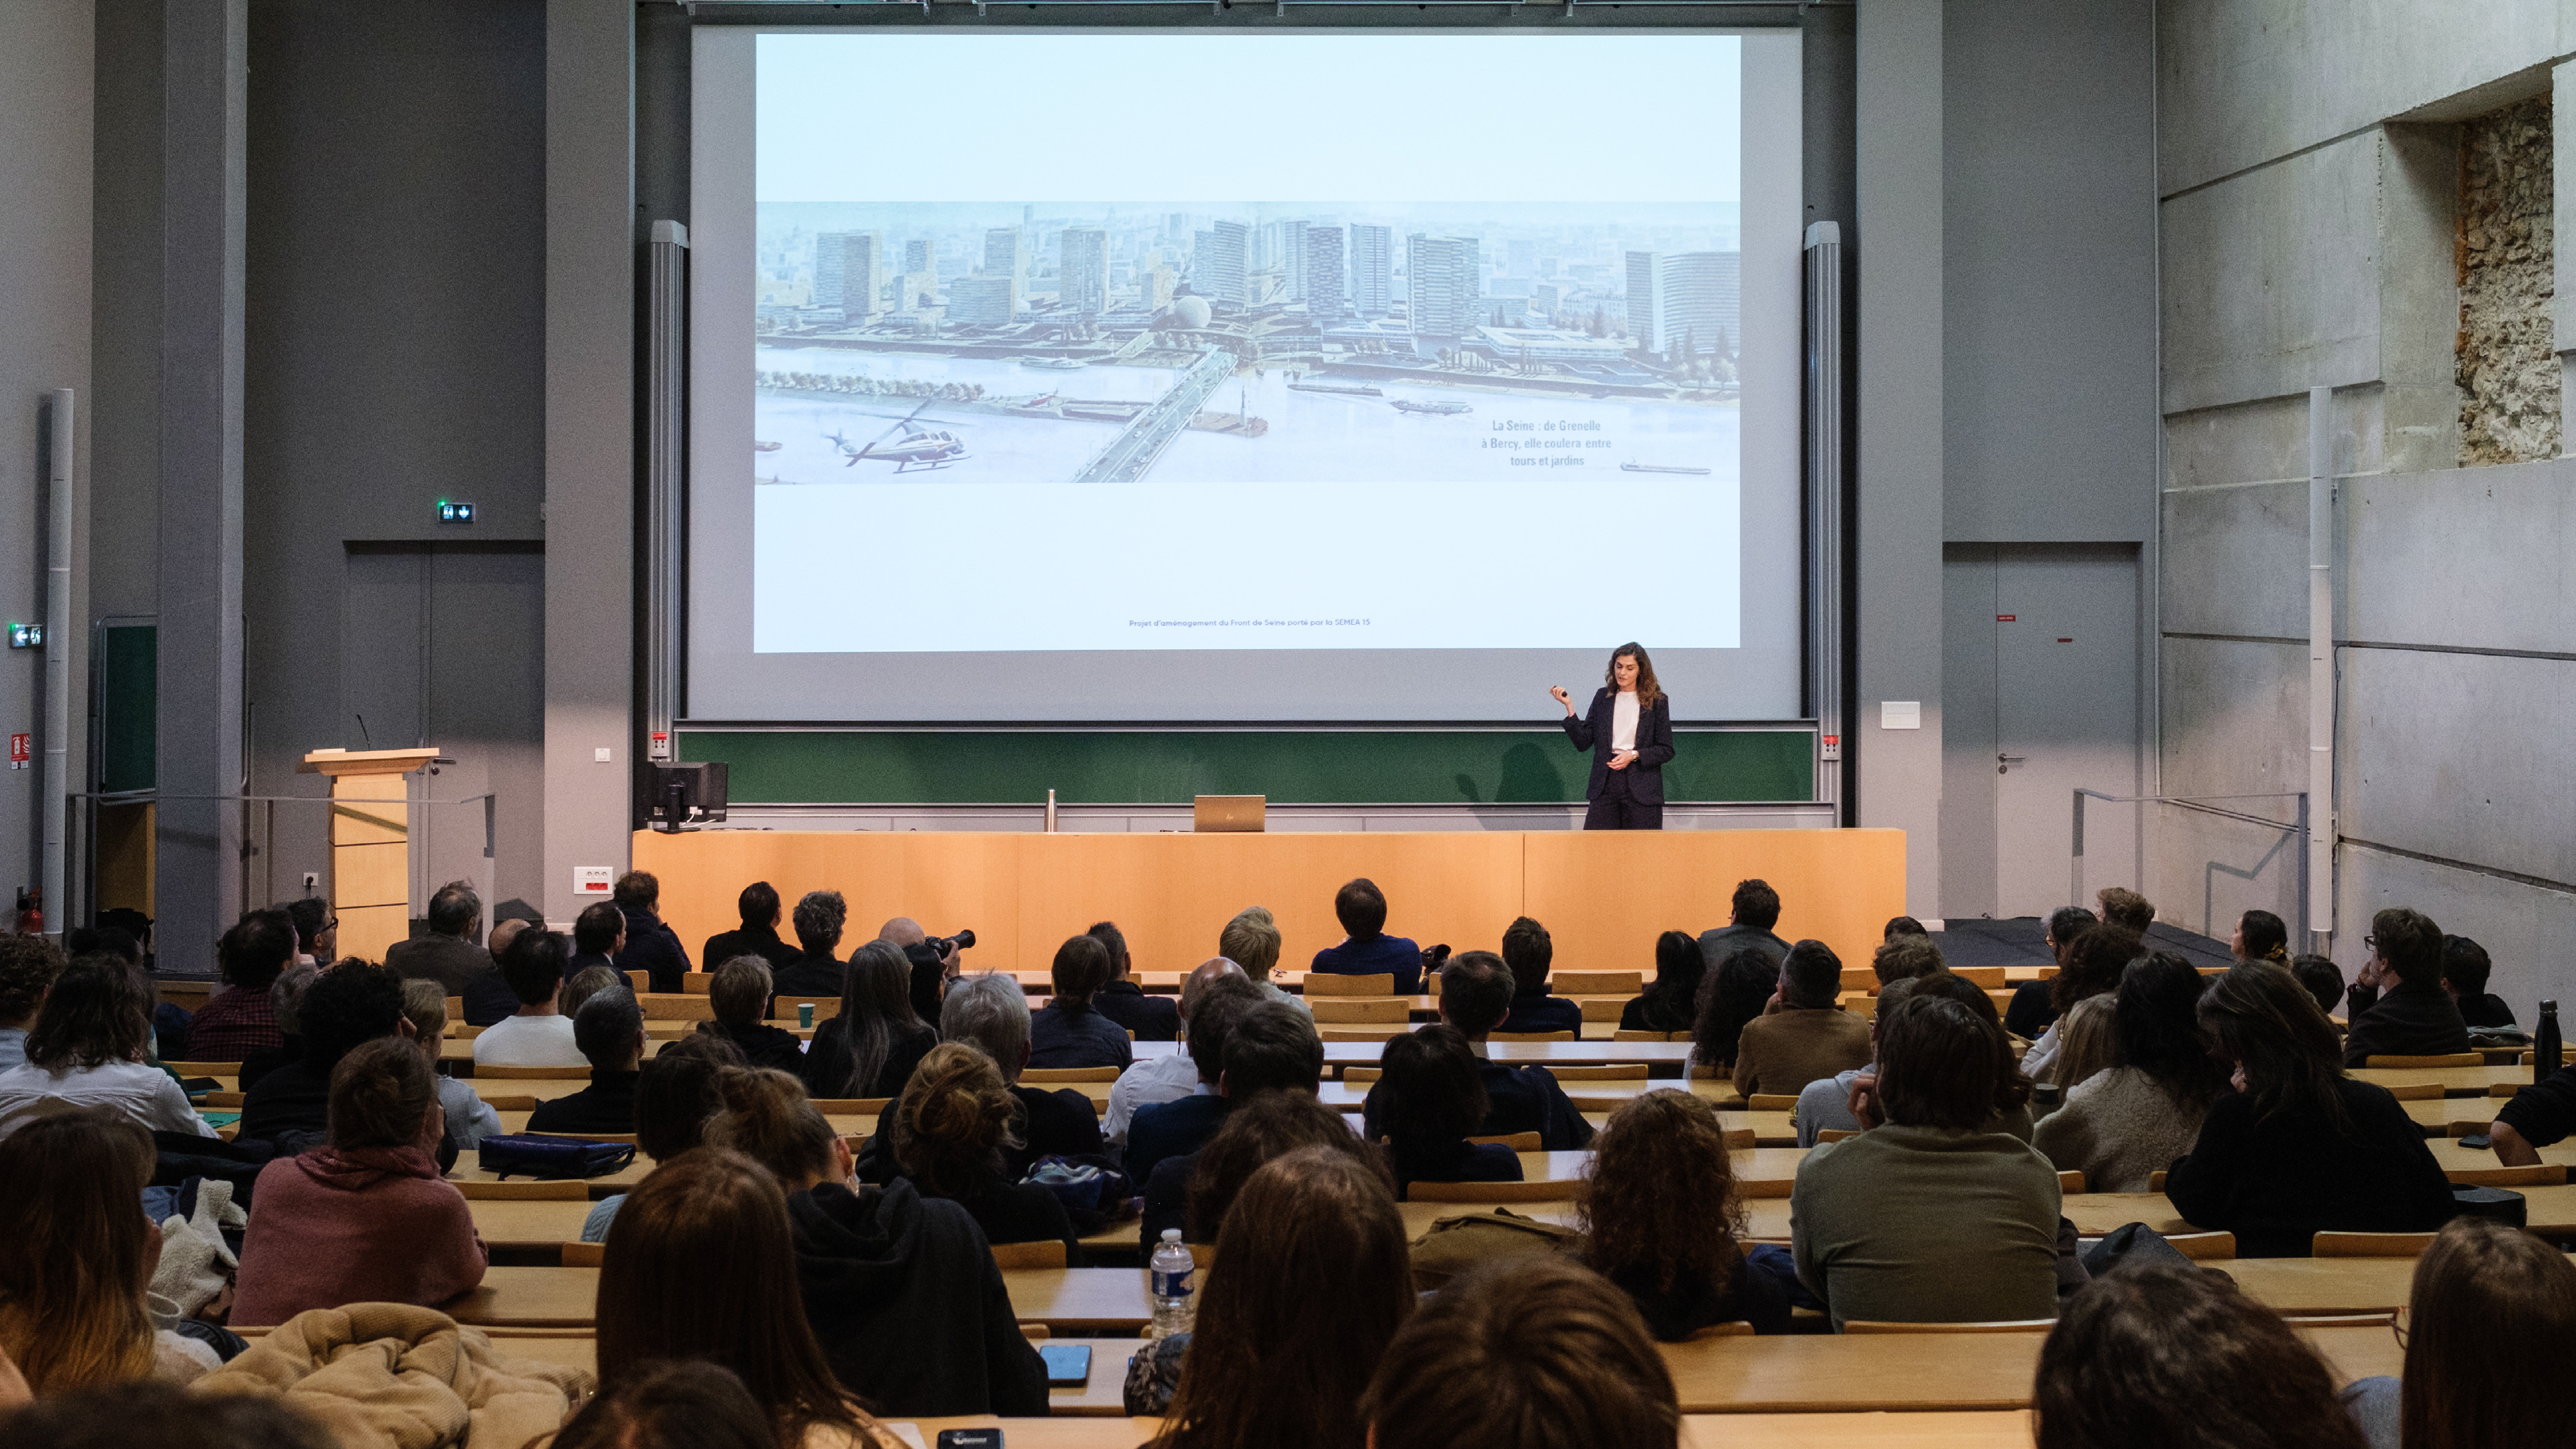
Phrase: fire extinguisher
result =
(31, 912)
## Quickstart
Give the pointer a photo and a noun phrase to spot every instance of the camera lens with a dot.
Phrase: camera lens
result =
(964, 939)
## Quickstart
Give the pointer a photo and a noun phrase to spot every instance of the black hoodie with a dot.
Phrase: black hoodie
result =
(910, 1309)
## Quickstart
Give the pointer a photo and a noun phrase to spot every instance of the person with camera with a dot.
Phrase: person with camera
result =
(934, 960)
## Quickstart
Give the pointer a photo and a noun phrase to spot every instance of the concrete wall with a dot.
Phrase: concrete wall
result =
(45, 140)
(2309, 180)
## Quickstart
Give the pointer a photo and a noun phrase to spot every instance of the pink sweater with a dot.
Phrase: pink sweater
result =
(372, 1225)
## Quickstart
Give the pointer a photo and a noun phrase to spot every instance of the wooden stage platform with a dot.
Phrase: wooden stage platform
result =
(1604, 897)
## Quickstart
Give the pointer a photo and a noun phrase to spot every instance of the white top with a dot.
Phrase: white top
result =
(1150, 1081)
(528, 1041)
(147, 1094)
(1623, 721)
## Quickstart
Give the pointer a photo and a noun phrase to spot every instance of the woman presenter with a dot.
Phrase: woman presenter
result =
(1629, 731)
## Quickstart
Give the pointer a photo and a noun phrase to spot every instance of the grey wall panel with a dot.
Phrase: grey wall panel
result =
(125, 326)
(2524, 928)
(486, 688)
(2461, 756)
(2049, 251)
(2468, 558)
(2235, 717)
(2266, 440)
(2270, 280)
(1968, 731)
(2236, 560)
(2247, 81)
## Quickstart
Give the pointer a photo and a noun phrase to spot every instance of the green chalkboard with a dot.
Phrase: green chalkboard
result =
(1292, 767)
(129, 709)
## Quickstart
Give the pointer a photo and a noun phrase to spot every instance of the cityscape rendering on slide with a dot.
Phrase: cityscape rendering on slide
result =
(1255, 342)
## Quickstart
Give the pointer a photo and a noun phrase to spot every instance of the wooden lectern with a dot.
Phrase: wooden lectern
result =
(370, 844)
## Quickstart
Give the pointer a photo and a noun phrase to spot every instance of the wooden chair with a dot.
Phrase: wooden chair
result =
(509, 1101)
(1036, 1332)
(2540, 1174)
(205, 1069)
(639, 982)
(1627, 1072)
(484, 1071)
(1701, 1072)
(1862, 1004)
(1528, 1036)
(464, 1031)
(1516, 1141)
(1738, 1329)
(1626, 1035)
(1342, 1010)
(1362, 1074)
(2450, 1059)
(2001, 999)
(2416, 1091)
(1326, 983)
(675, 1006)
(1596, 983)
(2069, 1183)
(825, 1007)
(2201, 1247)
(1862, 979)
(1834, 1134)
(2009, 1325)
(2049, 973)
(572, 1190)
(1009, 1256)
(222, 1101)
(1773, 1101)
(1388, 1032)
(1604, 1008)
(1493, 1191)
(1034, 1075)
(584, 1255)
(455, 1009)
(1739, 1139)
(2370, 1245)
(2156, 1180)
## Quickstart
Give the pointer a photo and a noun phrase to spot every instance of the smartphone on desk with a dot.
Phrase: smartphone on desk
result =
(1068, 1365)
(970, 1439)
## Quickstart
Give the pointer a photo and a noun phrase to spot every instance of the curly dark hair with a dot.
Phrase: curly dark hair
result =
(28, 965)
(2094, 962)
(1659, 1193)
(1730, 996)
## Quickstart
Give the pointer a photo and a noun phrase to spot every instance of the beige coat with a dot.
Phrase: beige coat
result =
(394, 1376)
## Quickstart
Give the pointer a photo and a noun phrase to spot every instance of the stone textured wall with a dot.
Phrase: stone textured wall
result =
(2509, 380)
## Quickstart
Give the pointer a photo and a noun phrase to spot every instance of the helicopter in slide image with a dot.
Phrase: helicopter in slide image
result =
(919, 449)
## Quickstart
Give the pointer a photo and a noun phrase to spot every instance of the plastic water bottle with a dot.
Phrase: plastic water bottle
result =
(2545, 1050)
(1172, 1270)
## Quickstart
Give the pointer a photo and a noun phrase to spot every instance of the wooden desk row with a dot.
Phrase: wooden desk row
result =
(1969, 1430)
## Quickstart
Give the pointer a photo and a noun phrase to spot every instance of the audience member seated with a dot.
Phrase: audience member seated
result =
(1906, 956)
(647, 945)
(1671, 1000)
(701, 1265)
(240, 1019)
(756, 936)
(598, 934)
(2171, 1356)
(1475, 992)
(317, 931)
(2324, 980)
(900, 1288)
(948, 1140)
(1182, 1125)
(1068, 1031)
(2465, 969)
(1755, 911)
(449, 954)
(469, 1118)
(28, 966)
(739, 996)
(286, 1003)
(1145, 1018)
(2298, 1148)
(1429, 1101)
(1825, 1105)
(1271, 1125)
(2488, 1323)
(1173, 1075)
(167, 1416)
(2416, 1017)
(932, 968)
(488, 997)
(1527, 954)
(2134, 1118)
(682, 1404)
(609, 1029)
(2260, 936)
(819, 920)
(365, 1218)
(992, 1012)
(77, 1253)
(1316, 1281)
(1901, 926)
(1926, 1216)
(1251, 941)
(2092, 968)
(169, 1021)
(675, 1098)
(539, 1035)
(586, 983)
(1269, 1050)
(871, 1047)
(86, 1050)
(1658, 1203)
(1365, 949)
(2032, 1010)
(1733, 992)
(1810, 1037)
(2126, 909)
(1531, 1353)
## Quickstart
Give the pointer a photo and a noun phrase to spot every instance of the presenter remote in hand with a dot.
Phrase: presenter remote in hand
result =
(1629, 731)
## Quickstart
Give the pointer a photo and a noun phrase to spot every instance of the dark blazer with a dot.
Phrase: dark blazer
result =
(655, 949)
(2409, 1021)
(452, 961)
(1172, 1129)
(723, 946)
(1654, 746)
(1152, 1018)
(606, 1105)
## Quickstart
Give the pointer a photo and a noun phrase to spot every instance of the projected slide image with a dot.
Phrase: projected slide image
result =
(1459, 346)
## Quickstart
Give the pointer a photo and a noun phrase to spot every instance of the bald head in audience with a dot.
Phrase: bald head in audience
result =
(502, 935)
(1195, 985)
(902, 931)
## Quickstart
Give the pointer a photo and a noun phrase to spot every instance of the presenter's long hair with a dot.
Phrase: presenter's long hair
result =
(1648, 691)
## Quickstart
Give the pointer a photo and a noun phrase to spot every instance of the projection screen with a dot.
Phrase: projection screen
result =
(1180, 376)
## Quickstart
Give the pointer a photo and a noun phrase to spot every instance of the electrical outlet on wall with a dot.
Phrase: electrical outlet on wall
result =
(312, 881)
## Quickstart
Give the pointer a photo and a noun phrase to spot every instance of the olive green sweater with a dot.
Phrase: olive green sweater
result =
(1925, 1225)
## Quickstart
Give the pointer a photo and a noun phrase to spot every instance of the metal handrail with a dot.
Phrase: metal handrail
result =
(2298, 830)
